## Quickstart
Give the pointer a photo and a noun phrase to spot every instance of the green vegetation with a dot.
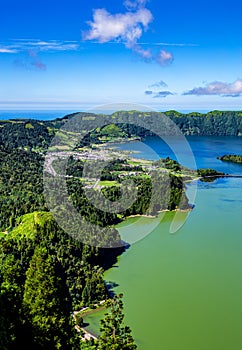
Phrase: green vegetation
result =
(114, 334)
(209, 175)
(44, 273)
(45, 303)
(29, 126)
(209, 172)
(21, 187)
(231, 158)
(37, 135)
(169, 164)
(33, 135)
(105, 183)
(157, 189)
(219, 123)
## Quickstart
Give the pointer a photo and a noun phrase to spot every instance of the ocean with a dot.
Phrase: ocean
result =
(34, 114)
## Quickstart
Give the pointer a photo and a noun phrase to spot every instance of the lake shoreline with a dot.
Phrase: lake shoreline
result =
(159, 212)
(170, 259)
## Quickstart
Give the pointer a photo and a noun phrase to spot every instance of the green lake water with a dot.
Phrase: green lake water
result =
(183, 291)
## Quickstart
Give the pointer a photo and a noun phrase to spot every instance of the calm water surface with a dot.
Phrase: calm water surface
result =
(183, 291)
(34, 114)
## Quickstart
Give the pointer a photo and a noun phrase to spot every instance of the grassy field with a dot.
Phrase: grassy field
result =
(108, 183)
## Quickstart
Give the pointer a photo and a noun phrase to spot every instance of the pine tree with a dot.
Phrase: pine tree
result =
(115, 336)
(3, 330)
(45, 304)
(10, 301)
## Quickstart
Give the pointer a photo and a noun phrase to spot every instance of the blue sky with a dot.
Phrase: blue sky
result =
(73, 54)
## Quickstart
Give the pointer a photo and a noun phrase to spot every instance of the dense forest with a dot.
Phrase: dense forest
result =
(37, 135)
(233, 158)
(46, 274)
(215, 123)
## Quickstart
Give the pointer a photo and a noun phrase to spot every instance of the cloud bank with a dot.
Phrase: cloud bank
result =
(218, 88)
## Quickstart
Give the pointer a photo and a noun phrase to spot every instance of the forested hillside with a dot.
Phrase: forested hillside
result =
(37, 135)
(45, 274)
(215, 123)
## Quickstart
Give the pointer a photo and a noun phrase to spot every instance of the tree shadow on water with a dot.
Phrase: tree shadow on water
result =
(111, 286)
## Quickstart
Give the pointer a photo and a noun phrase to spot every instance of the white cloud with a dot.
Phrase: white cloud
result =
(7, 50)
(21, 45)
(134, 4)
(175, 44)
(164, 58)
(52, 45)
(127, 27)
(146, 55)
(219, 88)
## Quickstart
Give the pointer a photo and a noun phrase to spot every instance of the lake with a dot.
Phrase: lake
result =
(183, 291)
